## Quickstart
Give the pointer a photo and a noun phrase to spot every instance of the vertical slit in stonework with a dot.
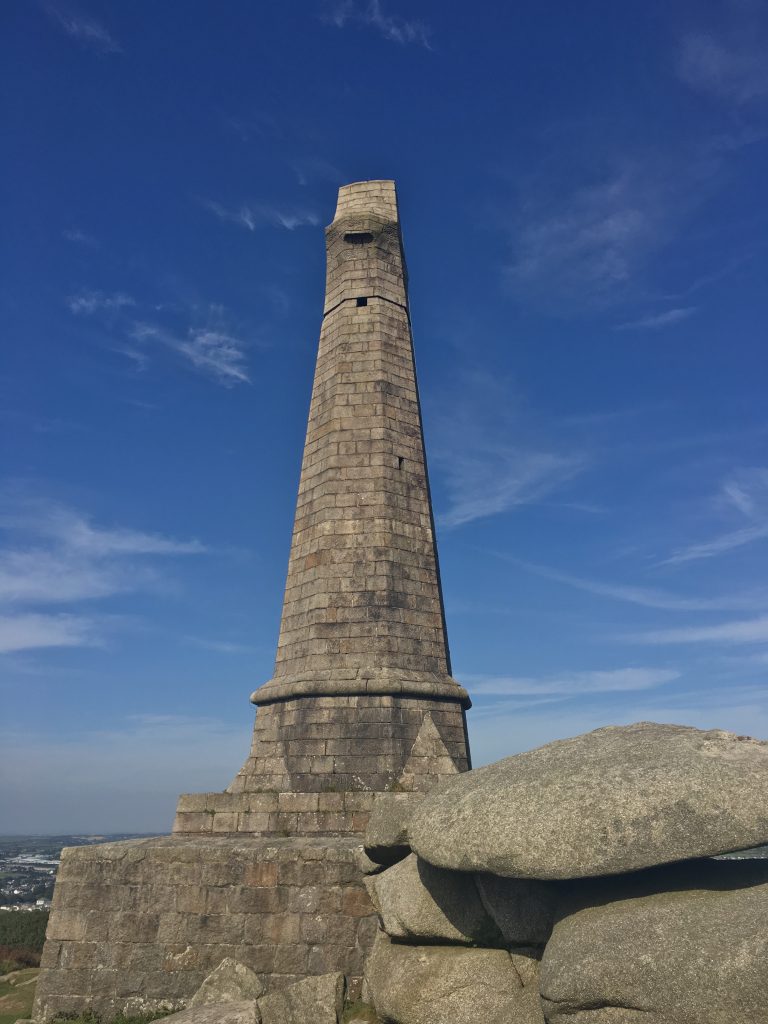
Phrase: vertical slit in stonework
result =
(399, 461)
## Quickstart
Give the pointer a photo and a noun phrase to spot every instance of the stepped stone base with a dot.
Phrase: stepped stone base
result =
(136, 926)
(317, 763)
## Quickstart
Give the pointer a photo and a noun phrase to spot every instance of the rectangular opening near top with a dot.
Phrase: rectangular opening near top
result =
(358, 237)
(362, 301)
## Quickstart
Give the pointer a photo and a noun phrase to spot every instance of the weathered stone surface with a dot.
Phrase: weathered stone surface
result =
(231, 982)
(610, 801)
(137, 926)
(386, 838)
(685, 944)
(522, 908)
(450, 985)
(418, 902)
(317, 1000)
(244, 1012)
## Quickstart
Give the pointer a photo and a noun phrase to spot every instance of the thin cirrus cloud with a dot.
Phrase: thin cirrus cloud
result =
(745, 631)
(55, 556)
(255, 215)
(213, 352)
(371, 14)
(88, 302)
(586, 244)
(646, 597)
(482, 474)
(486, 482)
(746, 493)
(572, 684)
(79, 237)
(83, 29)
(733, 70)
(33, 631)
(656, 321)
(211, 348)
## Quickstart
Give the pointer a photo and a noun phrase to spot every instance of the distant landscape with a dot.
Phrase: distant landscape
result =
(28, 866)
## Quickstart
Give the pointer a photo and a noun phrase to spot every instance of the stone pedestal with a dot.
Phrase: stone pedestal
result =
(136, 926)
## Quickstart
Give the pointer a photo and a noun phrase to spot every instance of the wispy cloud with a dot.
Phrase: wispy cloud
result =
(735, 70)
(77, 533)
(371, 14)
(80, 238)
(202, 335)
(254, 215)
(35, 631)
(646, 597)
(316, 169)
(88, 302)
(587, 243)
(483, 471)
(657, 320)
(493, 478)
(746, 492)
(212, 352)
(748, 631)
(571, 684)
(220, 646)
(55, 556)
(84, 29)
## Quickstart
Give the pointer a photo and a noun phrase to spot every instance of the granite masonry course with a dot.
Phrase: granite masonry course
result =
(361, 700)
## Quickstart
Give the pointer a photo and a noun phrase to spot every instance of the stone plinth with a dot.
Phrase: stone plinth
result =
(318, 762)
(136, 926)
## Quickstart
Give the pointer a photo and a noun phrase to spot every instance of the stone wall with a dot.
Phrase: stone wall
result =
(136, 926)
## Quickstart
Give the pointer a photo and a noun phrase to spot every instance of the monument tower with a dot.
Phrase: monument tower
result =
(363, 653)
(361, 700)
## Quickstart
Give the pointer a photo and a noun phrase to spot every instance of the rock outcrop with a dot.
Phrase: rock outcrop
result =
(230, 982)
(684, 945)
(417, 902)
(319, 1000)
(449, 985)
(615, 800)
(593, 855)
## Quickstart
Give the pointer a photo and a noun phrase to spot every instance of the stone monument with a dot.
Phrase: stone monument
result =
(361, 700)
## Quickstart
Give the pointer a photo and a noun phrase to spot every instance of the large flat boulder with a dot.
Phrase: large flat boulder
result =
(231, 982)
(614, 800)
(686, 944)
(315, 1000)
(451, 985)
(421, 903)
(244, 1012)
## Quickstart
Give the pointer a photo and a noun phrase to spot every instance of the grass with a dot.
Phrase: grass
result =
(17, 993)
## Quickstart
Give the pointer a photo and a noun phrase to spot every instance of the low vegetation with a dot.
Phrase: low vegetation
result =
(22, 934)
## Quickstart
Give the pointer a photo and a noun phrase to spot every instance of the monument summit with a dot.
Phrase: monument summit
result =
(361, 700)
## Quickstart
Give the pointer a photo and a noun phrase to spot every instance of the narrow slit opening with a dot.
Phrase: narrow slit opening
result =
(399, 461)
(358, 237)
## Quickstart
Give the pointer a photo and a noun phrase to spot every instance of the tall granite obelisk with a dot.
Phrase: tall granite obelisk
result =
(361, 700)
(363, 653)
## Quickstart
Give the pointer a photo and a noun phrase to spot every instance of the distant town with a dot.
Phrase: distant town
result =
(28, 866)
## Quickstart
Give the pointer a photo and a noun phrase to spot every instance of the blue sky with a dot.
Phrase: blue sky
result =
(582, 188)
